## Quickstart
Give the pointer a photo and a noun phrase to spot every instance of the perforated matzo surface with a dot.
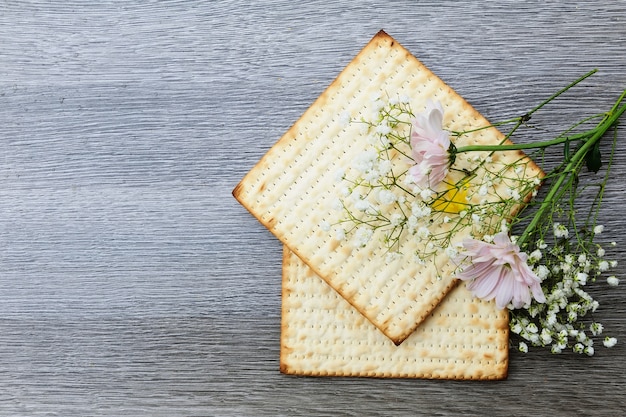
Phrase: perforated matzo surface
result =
(463, 338)
(293, 188)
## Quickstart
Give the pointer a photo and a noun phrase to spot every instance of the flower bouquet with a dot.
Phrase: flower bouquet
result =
(534, 261)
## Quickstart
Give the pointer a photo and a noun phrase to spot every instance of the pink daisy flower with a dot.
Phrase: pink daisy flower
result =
(429, 146)
(499, 270)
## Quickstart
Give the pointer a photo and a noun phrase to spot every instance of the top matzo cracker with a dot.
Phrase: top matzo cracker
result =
(292, 189)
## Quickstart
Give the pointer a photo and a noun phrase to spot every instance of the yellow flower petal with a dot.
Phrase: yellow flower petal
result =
(454, 200)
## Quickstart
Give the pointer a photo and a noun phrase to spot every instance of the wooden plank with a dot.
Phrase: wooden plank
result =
(132, 283)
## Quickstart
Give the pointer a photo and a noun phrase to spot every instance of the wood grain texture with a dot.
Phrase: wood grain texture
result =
(132, 283)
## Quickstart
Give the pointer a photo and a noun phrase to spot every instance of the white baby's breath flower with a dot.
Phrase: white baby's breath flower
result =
(535, 255)
(516, 328)
(572, 316)
(566, 266)
(340, 234)
(364, 162)
(596, 328)
(386, 197)
(384, 166)
(396, 219)
(598, 229)
(408, 181)
(560, 231)
(542, 272)
(423, 232)
(532, 328)
(325, 226)
(362, 205)
(601, 252)
(603, 266)
(420, 210)
(372, 176)
(534, 309)
(551, 319)
(583, 295)
(362, 236)
(546, 336)
(523, 347)
(612, 281)
(609, 342)
(383, 129)
(533, 338)
(451, 252)
(426, 194)
(581, 278)
(514, 194)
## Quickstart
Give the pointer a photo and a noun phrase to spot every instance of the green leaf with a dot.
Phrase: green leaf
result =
(593, 159)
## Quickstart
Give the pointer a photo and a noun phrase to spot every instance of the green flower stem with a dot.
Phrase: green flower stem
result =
(520, 120)
(583, 136)
(573, 166)
(558, 93)
(538, 145)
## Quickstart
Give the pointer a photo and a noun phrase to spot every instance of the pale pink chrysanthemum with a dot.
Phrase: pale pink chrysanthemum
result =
(429, 146)
(499, 270)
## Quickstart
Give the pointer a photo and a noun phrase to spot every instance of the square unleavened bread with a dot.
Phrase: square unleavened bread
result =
(292, 190)
(323, 335)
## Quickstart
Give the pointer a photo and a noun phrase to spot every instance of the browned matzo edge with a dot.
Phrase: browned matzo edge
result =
(322, 335)
(286, 191)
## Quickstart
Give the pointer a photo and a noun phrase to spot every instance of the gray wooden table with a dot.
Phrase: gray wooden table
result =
(132, 283)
